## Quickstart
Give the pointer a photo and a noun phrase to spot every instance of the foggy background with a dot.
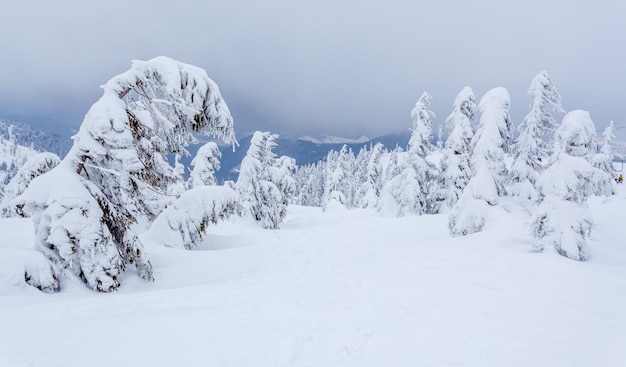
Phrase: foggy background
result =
(333, 67)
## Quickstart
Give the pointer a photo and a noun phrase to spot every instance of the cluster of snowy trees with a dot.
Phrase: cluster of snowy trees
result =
(547, 168)
(118, 179)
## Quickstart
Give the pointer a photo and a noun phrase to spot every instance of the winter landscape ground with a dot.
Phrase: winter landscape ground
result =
(340, 288)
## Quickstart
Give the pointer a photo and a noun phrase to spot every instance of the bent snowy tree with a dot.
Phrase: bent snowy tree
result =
(117, 170)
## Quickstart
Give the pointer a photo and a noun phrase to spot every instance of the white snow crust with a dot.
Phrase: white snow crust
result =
(348, 288)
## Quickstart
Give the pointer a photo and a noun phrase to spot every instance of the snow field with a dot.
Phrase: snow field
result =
(345, 288)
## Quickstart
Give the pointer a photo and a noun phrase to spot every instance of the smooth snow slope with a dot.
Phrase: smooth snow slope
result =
(335, 289)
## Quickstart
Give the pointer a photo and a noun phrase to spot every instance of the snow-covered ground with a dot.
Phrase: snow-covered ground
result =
(347, 288)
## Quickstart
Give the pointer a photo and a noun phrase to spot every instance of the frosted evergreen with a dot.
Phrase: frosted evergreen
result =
(265, 184)
(487, 184)
(456, 166)
(562, 220)
(117, 172)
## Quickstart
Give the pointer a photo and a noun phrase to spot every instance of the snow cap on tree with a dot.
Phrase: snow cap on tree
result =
(494, 128)
(576, 135)
(542, 94)
(464, 108)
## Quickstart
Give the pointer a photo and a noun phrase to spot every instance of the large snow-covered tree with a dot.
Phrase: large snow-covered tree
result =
(489, 144)
(117, 171)
(265, 183)
(535, 142)
(411, 190)
(562, 220)
(456, 167)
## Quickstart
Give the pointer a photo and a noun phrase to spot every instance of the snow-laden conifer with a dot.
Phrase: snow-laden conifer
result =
(562, 220)
(34, 167)
(604, 159)
(337, 188)
(456, 167)
(411, 190)
(369, 192)
(535, 142)
(205, 164)
(117, 171)
(281, 174)
(264, 184)
(489, 144)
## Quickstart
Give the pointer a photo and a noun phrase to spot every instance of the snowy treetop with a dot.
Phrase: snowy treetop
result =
(465, 102)
(577, 134)
(181, 90)
(543, 92)
(494, 128)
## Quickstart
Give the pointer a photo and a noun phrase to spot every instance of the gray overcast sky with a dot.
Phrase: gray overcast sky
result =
(346, 67)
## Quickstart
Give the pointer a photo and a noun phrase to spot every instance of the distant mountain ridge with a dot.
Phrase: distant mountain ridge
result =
(328, 139)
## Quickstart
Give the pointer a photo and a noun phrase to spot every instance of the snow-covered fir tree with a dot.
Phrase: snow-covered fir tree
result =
(604, 159)
(205, 164)
(369, 192)
(337, 188)
(456, 167)
(281, 173)
(562, 220)
(489, 144)
(411, 191)
(359, 176)
(535, 142)
(34, 167)
(264, 185)
(117, 171)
